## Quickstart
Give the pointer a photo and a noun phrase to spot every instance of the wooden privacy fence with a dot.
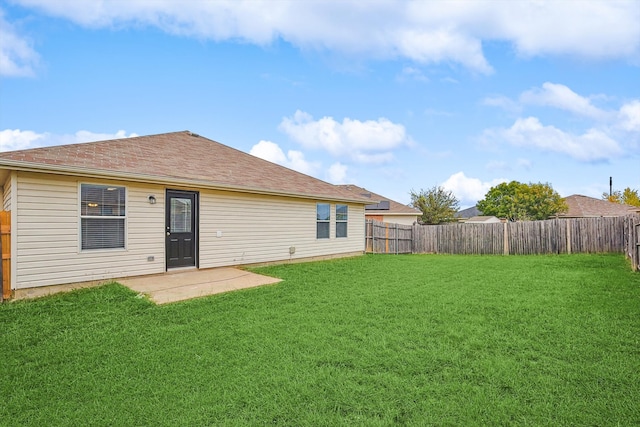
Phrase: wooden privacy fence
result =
(387, 238)
(633, 243)
(554, 236)
(5, 249)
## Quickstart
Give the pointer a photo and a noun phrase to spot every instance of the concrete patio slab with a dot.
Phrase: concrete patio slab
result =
(188, 284)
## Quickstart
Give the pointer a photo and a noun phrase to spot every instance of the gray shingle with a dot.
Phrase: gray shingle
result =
(178, 155)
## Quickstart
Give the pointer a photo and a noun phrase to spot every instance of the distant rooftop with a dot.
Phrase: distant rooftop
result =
(380, 205)
(583, 207)
(468, 213)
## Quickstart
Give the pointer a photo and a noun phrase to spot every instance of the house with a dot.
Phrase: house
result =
(146, 205)
(465, 214)
(585, 207)
(384, 209)
(473, 216)
(482, 219)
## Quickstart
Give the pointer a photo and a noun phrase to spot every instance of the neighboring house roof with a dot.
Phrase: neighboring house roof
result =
(481, 219)
(468, 213)
(583, 206)
(175, 158)
(380, 205)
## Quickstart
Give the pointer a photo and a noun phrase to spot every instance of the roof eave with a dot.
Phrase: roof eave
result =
(156, 179)
(372, 212)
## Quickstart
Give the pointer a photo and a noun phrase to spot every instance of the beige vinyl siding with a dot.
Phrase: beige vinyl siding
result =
(253, 229)
(400, 219)
(257, 229)
(48, 232)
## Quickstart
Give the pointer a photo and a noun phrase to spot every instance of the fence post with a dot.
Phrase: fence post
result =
(386, 237)
(413, 238)
(373, 237)
(569, 236)
(5, 250)
(397, 240)
(637, 246)
(505, 238)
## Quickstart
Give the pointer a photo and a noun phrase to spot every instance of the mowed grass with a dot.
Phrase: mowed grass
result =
(373, 340)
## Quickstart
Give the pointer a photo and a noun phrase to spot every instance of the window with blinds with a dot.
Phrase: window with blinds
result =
(323, 217)
(342, 217)
(102, 216)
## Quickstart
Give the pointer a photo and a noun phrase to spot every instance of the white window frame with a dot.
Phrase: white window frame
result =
(323, 221)
(103, 217)
(344, 221)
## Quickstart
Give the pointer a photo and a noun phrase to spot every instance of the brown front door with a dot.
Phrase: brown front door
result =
(182, 228)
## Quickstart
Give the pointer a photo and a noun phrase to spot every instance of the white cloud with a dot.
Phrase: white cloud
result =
(439, 45)
(86, 136)
(269, 151)
(593, 145)
(299, 163)
(503, 102)
(469, 190)
(337, 173)
(560, 96)
(630, 116)
(16, 139)
(295, 160)
(17, 57)
(371, 141)
(424, 32)
(596, 143)
(590, 29)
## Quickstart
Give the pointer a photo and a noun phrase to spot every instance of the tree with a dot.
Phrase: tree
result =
(543, 202)
(502, 201)
(614, 197)
(630, 197)
(626, 197)
(436, 204)
(516, 201)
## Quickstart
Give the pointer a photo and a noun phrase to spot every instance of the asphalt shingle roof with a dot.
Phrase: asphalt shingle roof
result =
(395, 208)
(175, 157)
(468, 212)
(583, 206)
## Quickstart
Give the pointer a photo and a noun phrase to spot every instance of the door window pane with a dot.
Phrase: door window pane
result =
(180, 215)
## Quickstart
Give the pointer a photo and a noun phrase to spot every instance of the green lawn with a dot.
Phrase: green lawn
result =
(375, 340)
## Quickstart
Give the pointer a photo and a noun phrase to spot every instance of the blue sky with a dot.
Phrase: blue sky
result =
(389, 95)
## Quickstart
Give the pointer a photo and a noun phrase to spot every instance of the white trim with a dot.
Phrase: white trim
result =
(327, 221)
(196, 226)
(342, 221)
(14, 229)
